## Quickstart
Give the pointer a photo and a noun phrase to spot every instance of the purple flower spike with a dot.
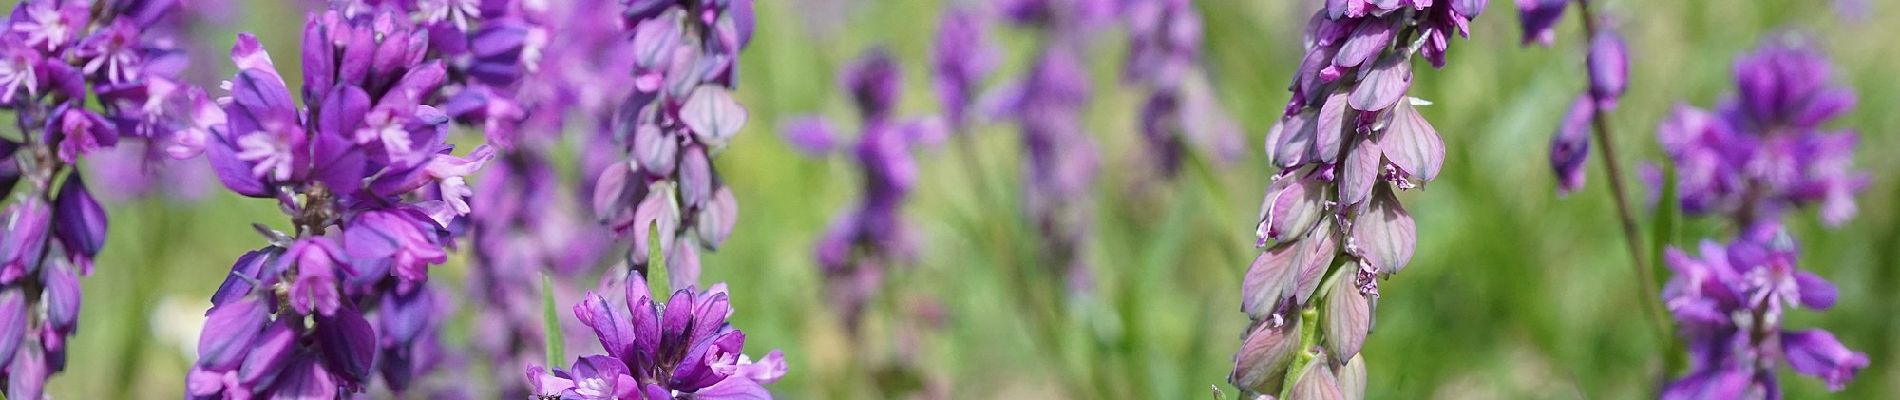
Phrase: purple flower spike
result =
(1331, 224)
(962, 57)
(682, 349)
(682, 110)
(872, 235)
(1764, 151)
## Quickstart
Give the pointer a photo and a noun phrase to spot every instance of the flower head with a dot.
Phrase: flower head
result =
(682, 348)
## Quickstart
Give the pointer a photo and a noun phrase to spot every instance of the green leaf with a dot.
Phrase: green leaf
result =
(551, 323)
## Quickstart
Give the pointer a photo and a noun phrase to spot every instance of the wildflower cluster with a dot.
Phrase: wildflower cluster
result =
(79, 78)
(1350, 138)
(1761, 153)
(375, 198)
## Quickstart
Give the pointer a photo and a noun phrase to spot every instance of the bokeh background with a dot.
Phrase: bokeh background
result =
(1514, 292)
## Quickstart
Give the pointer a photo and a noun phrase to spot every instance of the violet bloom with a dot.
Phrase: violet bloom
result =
(682, 349)
(1164, 57)
(962, 57)
(871, 235)
(1539, 19)
(1764, 152)
(79, 81)
(1046, 104)
(1349, 140)
(373, 192)
(1764, 149)
(1729, 302)
(681, 113)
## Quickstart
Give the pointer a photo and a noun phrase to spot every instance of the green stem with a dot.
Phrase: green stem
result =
(1632, 236)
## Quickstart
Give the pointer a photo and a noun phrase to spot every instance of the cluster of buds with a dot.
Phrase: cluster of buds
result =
(1350, 138)
(681, 112)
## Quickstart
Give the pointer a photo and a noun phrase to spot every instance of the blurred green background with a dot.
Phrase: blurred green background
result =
(1514, 292)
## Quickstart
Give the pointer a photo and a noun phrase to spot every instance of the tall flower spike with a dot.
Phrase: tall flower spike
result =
(1046, 104)
(1331, 221)
(1180, 112)
(1763, 152)
(373, 191)
(79, 81)
(871, 235)
(681, 113)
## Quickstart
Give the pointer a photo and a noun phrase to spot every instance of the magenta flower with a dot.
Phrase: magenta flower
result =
(682, 349)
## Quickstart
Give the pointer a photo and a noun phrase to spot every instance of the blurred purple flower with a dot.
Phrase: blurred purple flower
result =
(1539, 19)
(872, 234)
(1347, 141)
(682, 349)
(1764, 150)
(1164, 58)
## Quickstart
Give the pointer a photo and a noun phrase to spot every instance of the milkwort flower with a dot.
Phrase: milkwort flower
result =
(374, 195)
(1764, 149)
(1762, 152)
(872, 235)
(79, 78)
(682, 349)
(1607, 63)
(1350, 138)
(1046, 103)
(680, 113)
(1164, 57)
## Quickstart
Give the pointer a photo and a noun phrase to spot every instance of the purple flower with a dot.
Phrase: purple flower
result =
(1181, 111)
(680, 112)
(1539, 19)
(1764, 150)
(1609, 66)
(1729, 303)
(1570, 147)
(872, 232)
(682, 349)
(80, 79)
(1348, 140)
(376, 197)
(962, 57)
